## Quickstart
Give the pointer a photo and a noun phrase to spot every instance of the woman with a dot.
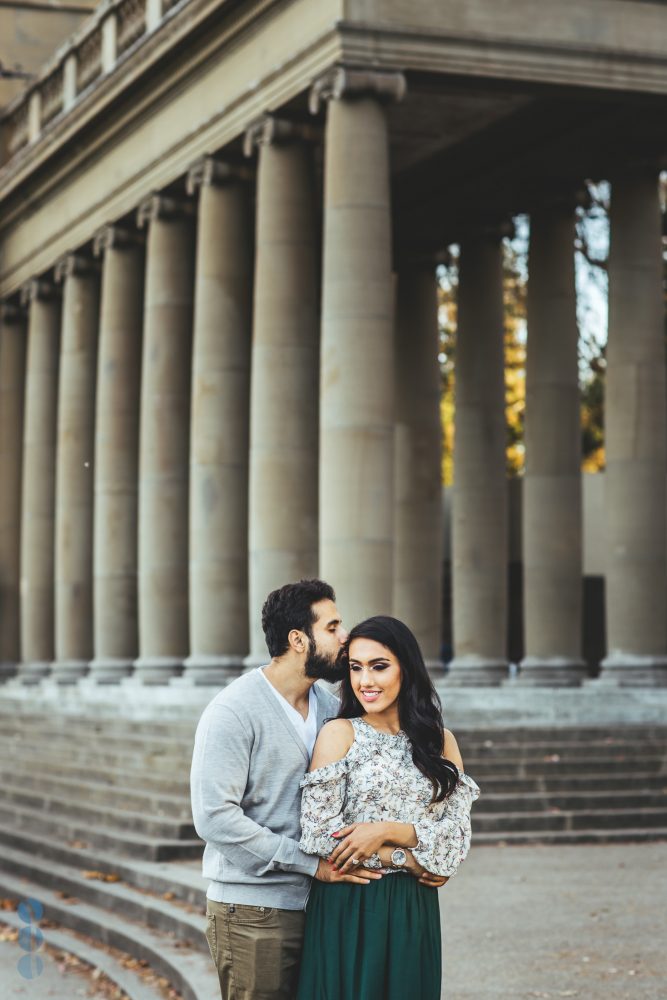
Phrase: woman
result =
(386, 790)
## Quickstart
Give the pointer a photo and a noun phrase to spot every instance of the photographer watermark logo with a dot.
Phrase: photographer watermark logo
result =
(31, 939)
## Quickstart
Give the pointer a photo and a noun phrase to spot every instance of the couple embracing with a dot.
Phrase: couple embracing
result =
(328, 824)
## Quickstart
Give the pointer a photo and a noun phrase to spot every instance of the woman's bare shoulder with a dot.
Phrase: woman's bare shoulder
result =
(334, 740)
(451, 749)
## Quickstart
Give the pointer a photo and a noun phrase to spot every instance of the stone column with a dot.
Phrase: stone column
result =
(219, 434)
(285, 360)
(418, 515)
(357, 366)
(164, 439)
(552, 552)
(479, 496)
(39, 482)
(635, 438)
(74, 469)
(116, 641)
(12, 382)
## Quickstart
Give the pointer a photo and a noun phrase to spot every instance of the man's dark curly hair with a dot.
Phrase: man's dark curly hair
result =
(291, 607)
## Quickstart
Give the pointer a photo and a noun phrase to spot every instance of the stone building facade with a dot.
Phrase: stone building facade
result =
(219, 227)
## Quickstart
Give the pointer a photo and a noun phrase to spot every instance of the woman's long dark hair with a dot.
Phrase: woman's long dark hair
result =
(419, 708)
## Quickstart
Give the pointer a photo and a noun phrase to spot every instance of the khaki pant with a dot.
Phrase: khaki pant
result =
(256, 950)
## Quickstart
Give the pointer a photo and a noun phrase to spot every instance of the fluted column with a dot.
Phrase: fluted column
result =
(357, 357)
(219, 433)
(39, 482)
(116, 640)
(74, 469)
(418, 515)
(164, 440)
(12, 384)
(635, 438)
(479, 497)
(285, 352)
(552, 553)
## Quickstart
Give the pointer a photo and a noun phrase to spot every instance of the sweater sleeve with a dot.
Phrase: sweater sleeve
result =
(443, 833)
(218, 780)
(322, 804)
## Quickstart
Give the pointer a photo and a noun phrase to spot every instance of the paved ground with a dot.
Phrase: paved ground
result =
(586, 922)
(518, 923)
(55, 981)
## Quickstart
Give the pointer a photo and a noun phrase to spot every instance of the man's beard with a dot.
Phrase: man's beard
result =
(323, 668)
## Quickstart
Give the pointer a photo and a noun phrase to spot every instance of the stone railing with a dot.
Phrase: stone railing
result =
(88, 56)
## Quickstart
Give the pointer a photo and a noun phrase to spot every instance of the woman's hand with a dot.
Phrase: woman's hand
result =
(357, 842)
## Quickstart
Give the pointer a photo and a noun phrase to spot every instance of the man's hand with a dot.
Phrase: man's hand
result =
(433, 881)
(327, 872)
(358, 842)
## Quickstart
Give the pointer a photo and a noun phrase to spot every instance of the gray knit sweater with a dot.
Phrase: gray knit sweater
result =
(247, 766)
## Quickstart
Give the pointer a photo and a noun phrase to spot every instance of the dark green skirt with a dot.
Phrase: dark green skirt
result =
(372, 942)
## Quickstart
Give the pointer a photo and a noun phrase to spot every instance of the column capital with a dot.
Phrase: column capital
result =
(11, 313)
(270, 129)
(208, 170)
(115, 237)
(74, 264)
(161, 206)
(349, 82)
(38, 289)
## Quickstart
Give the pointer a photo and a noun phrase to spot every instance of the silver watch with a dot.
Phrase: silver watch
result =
(398, 858)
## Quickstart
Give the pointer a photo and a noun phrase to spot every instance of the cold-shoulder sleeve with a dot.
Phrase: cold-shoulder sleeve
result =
(322, 804)
(443, 832)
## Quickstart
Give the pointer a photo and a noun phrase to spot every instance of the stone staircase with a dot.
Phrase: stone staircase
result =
(568, 785)
(95, 820)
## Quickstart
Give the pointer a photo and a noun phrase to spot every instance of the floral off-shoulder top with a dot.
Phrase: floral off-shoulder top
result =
(377, 780)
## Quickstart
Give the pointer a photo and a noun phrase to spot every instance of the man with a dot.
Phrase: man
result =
(252, 748)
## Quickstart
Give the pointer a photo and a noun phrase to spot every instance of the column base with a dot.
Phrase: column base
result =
(156, 669)
(436, 670)
(110, 669)
(475, 671)
(202, 670)
(33, 673)
(8, 670)
(68, 671)
(632, 670)
(551, 671)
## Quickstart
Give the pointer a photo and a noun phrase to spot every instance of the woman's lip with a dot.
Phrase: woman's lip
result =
(370, 694)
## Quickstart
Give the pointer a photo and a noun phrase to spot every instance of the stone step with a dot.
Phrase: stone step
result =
(131, 985)
(584, 819)
(181, 879)
(51, 764)
(65, 722)
(572, 751)
(173, 806)
(97, 755)
(115, 897)
(556, 766)
(189, 970)
(551, 837)
(493, 802)
(625, 781)
(20, 739)
(111, 819)
(122, 841)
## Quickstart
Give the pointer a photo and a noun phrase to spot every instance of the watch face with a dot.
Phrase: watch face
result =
(398, 857)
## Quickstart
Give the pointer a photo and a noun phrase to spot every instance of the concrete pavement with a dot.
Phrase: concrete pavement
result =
(551, 922)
